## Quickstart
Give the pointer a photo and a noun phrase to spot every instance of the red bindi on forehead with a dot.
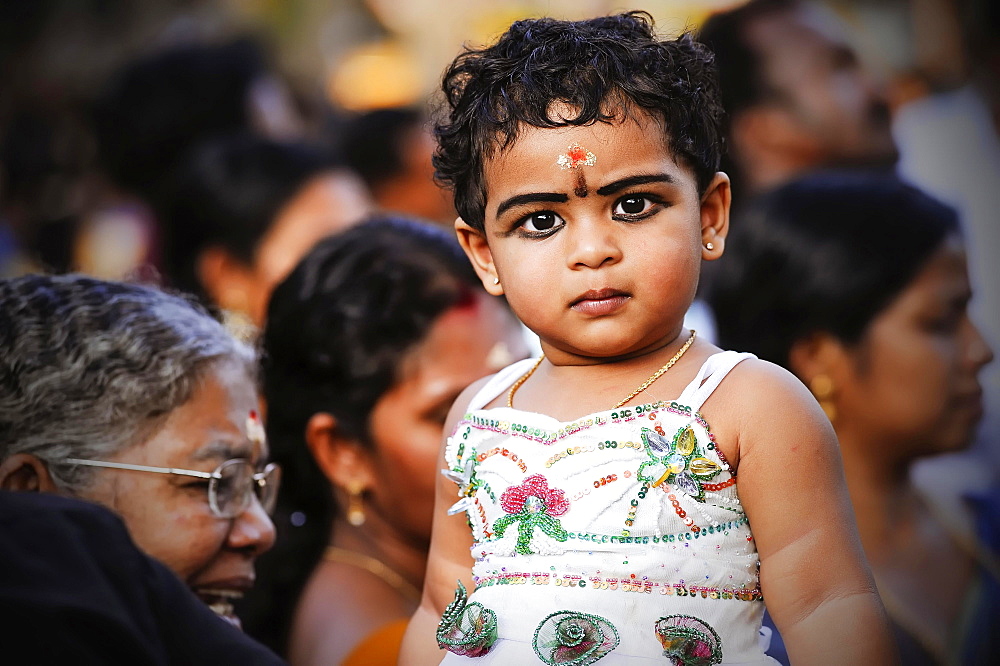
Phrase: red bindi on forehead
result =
(576, 157)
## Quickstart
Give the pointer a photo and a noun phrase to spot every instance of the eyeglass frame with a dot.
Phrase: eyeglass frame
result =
(259, 478)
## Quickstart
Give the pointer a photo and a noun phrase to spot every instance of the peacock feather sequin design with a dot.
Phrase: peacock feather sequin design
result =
(688, 641)
(574, 639)
(466, 629)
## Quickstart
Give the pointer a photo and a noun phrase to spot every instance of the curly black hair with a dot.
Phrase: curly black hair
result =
(606, 69)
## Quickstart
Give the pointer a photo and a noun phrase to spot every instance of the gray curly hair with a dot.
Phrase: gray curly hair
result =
(90, 367)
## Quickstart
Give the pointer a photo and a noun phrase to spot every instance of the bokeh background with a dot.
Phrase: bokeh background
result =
(331, 56)
(331, 59)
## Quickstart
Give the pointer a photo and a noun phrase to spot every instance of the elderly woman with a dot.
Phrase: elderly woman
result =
(140, 401)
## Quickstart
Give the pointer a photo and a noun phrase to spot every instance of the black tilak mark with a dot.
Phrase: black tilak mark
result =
(581, 185)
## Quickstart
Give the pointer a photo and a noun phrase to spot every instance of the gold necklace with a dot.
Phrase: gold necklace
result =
(373, 566)
(642, 387)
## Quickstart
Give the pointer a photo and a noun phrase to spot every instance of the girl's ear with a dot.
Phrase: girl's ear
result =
(26, 473)
(343, 460)
(715, 204)
(476, 248)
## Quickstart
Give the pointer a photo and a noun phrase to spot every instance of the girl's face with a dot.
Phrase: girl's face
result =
(912, 382)
(464, 344)
(596, 234)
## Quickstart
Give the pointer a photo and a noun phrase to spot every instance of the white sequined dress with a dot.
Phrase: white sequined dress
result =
(616, 538)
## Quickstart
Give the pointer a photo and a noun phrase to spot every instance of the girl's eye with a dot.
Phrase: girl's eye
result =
(633, 205)
(542, 222)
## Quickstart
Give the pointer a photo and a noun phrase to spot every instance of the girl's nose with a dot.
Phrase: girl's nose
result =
(593, 244)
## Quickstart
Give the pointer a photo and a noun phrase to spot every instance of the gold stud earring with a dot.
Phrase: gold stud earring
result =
(709, 246)
(355, 504)
(822, 388)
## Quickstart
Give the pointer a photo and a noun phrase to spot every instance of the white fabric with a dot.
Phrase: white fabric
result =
(677, 573)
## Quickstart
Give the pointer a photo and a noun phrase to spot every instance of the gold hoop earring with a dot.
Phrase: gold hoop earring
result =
(822, 388)
(355, 504)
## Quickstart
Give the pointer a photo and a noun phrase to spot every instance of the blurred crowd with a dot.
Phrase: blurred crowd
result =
(313, 229)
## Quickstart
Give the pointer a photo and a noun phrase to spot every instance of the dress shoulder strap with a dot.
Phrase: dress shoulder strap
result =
(499, 383)
(712, 372)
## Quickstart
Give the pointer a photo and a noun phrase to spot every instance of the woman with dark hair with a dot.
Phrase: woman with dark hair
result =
(245, 209)
(858, 285)
(367, 344)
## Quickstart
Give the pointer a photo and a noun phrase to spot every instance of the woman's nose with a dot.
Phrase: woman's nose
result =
(253, 529)
(980, 351)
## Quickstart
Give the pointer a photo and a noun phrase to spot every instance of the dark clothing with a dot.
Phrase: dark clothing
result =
(75, 589)
(977, 636)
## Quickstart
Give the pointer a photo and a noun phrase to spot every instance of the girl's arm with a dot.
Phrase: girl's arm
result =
(449, 560)
(813, 572)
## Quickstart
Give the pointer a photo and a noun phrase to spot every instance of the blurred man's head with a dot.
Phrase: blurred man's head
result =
(391, 150)
(796, 95)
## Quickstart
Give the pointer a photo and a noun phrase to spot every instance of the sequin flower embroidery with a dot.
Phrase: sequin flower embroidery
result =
(532, 504)
(576, 156)
(679, 462)
(574, 639)
(687, 641)
(466, 629)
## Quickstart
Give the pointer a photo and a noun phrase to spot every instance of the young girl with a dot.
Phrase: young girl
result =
(606, 520)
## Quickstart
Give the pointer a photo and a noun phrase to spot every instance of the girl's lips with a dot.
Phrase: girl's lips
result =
(599, 302)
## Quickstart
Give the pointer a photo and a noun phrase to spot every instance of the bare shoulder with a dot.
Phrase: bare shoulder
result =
(760, 384)
(461, 405)
(373, 603)
(758, 401)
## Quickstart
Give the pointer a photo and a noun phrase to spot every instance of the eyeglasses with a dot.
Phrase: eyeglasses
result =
(231, 486)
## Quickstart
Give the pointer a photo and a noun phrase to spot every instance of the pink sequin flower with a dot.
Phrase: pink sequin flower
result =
(532, 504)
(553, 501)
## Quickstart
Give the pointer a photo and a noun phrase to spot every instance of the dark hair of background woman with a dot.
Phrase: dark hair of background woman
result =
(337, 330)
(825, 253)
(155, 108)
(228, 193)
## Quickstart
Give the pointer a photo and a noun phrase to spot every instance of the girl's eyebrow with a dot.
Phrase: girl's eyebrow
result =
(531, 197)
(619, 185)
